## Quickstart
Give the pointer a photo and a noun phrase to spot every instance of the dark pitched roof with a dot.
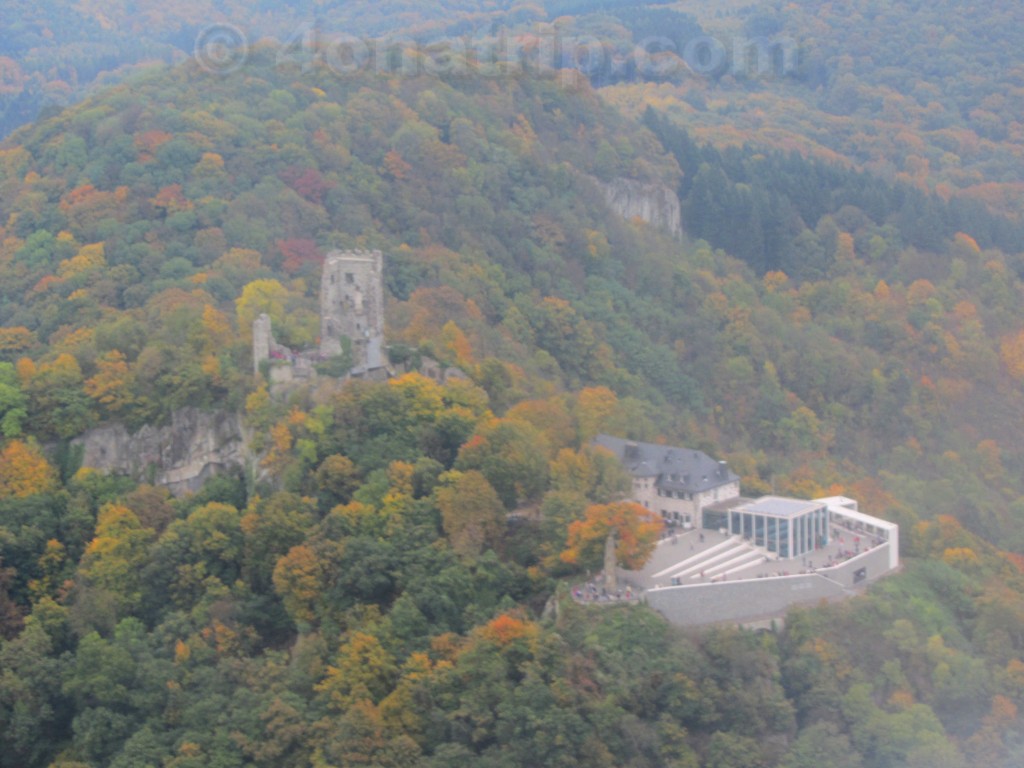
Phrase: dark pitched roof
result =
(676, 469)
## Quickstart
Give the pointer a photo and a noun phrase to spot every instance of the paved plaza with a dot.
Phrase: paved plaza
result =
(703, 556)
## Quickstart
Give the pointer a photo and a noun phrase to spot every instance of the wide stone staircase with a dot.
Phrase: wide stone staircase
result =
(713, 561)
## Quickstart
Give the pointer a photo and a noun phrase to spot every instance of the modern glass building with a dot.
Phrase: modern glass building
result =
(788, 527)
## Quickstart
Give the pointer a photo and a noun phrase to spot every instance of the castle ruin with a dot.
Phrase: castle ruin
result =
(264, 346)
(352, 305)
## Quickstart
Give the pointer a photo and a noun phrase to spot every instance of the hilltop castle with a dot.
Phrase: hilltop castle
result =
(351, 306)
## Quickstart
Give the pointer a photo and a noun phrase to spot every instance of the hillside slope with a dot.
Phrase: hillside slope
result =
(926, 93)
(377, 604)
(125, 218)
(53, 52)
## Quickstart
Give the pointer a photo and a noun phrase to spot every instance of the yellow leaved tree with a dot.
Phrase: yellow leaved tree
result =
(24, 471)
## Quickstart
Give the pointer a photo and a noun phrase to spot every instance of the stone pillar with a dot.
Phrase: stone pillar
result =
(610, 564)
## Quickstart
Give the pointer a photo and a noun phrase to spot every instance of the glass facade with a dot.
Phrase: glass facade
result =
(713, 519)
(788, 528)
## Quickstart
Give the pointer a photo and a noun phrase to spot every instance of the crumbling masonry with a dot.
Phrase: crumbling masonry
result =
(352, 305)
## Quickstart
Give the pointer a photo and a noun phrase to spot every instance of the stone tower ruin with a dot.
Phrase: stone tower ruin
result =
(352, 305)
(262, 341)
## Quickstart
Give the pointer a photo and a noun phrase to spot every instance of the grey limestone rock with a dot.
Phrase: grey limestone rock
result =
(654, 203)
(181, 455)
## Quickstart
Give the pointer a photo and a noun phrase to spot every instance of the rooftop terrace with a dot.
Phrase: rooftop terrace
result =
(776, 506)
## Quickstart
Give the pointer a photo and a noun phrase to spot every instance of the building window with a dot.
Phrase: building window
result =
(350, 278)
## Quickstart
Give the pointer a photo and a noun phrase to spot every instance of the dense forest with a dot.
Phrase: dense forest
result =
(387, 585)
(924, 93)
(52, 52)
(763, 206)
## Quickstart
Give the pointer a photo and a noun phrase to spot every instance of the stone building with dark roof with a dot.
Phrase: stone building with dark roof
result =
(677, 483)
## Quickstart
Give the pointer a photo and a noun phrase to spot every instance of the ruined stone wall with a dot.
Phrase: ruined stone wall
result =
(262, 341)
(352, 305)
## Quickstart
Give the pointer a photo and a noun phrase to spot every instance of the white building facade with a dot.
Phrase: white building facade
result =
(677, 483)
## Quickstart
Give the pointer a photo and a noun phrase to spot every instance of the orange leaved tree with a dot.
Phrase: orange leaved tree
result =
(636, 532)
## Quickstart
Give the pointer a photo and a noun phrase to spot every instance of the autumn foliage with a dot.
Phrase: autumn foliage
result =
(635, 528)
(506, 629)
(842, 313)
(24, 471)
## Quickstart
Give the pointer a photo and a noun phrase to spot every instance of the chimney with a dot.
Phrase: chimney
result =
(630, 451)
(723, 469)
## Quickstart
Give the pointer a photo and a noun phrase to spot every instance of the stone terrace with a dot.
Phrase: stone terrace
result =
(703, 556)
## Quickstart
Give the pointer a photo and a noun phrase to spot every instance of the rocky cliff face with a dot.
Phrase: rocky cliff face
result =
(181, 456)
(654, 203)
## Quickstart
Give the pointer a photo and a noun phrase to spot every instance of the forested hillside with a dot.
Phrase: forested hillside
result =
(52, 52)
(374, 602)
(928, 94)
(924, 93)
(180, 207)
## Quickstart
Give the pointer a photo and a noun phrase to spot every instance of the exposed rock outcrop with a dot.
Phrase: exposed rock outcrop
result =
(656, 204)
(181, 456)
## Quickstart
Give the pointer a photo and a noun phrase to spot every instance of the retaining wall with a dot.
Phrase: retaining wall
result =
(743, 600)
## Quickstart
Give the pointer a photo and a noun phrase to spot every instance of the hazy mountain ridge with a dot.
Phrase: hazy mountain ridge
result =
(54, 51)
